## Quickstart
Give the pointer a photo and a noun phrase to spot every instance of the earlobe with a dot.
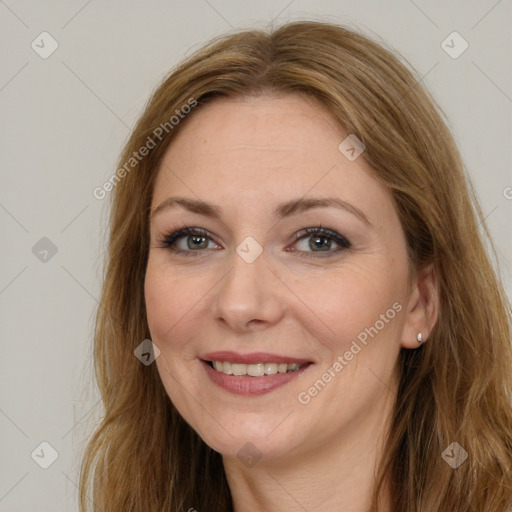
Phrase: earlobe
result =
(422, 310)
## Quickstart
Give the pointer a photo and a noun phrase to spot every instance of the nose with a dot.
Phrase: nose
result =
(250, 296)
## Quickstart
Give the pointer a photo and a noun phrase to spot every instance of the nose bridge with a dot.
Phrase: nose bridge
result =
(246, 293)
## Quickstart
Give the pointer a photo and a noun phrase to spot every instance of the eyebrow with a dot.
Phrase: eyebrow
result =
(286, 209)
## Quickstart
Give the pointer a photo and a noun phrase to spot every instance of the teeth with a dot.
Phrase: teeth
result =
(271, 368)
(255, 370)
(237, 369)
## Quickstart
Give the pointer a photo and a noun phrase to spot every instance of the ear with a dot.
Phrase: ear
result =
(422, 308)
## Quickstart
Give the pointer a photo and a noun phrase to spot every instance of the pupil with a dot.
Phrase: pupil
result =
(197, 241)
(322, 246)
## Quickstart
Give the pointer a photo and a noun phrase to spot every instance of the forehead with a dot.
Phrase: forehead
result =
(261, 149)
(282, 123)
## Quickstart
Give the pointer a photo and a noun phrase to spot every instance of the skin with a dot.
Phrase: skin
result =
(246, 156)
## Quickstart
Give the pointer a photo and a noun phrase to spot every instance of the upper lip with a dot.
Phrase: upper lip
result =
(251, 358)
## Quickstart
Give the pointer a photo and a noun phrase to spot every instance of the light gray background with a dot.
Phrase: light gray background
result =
(64, 120)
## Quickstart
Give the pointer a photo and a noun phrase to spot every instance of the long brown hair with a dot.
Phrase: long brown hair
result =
(455, 388)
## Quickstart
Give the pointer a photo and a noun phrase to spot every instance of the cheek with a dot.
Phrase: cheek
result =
(347, 301)
(168, 300)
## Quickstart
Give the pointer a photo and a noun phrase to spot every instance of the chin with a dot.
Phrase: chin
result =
(252, 438)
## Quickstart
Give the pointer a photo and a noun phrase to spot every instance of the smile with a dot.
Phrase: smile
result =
(255, 369)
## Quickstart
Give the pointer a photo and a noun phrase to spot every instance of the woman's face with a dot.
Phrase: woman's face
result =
(255, 287)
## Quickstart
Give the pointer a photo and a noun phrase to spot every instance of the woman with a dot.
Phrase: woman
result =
(293, 230)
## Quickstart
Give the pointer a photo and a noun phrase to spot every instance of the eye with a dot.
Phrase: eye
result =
(318, 242)
(187, 241)
(314, 242)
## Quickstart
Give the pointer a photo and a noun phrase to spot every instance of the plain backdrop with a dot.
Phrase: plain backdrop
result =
(64, 119)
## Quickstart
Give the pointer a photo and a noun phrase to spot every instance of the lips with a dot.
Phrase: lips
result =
(260, 382)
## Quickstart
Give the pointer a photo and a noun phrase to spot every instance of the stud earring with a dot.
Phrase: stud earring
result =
(419, 338)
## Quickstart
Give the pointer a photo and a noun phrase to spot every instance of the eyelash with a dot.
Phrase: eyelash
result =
(169, 240)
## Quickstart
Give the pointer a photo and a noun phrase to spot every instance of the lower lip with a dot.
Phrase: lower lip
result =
(246, 385)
